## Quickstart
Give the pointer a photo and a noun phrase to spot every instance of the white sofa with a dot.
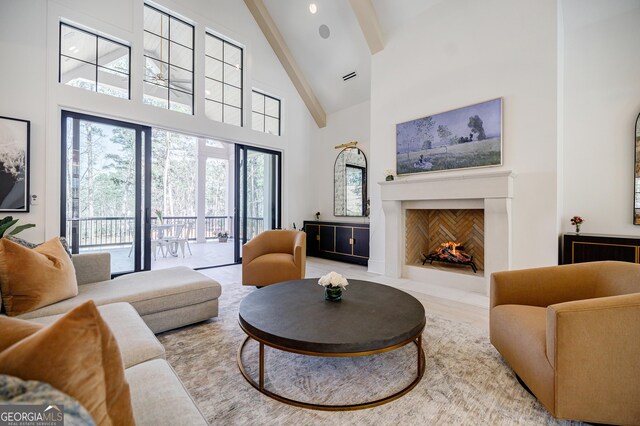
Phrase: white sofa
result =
(165, 299)
(136, 306)
(157, 395)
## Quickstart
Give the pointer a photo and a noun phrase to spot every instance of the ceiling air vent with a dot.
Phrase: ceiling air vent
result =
(349, 76)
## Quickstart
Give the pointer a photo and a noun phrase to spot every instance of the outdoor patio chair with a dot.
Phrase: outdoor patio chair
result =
(183, 239)
(155, 245)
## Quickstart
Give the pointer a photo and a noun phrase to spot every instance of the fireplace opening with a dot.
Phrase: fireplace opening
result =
(445, 238)
(451, 252)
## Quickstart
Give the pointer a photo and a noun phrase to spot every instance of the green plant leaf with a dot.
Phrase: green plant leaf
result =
(6, 225)
(21, 228)
(6, 219)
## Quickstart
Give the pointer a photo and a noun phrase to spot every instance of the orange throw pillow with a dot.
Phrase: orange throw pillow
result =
(13, 330)
(77, 355)
(33, 278)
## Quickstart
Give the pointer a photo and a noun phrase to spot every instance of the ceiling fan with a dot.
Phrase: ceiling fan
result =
(158, 77)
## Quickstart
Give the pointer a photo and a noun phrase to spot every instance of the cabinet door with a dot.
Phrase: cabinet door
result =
(361, 242)
(343, 240)
(593, 252)
(327, 238)
(313, 236)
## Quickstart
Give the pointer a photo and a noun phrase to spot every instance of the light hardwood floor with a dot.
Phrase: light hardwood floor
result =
(447, 302)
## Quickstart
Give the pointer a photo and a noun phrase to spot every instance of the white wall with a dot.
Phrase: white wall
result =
(349, 124)
(23, 87)
(601, 104)
(29, 45)
(461, 52)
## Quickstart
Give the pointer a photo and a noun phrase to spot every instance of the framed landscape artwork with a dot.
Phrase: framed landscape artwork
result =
(463, 138)
(14, 165)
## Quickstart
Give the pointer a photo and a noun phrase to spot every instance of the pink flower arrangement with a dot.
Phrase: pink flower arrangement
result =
(576, 220)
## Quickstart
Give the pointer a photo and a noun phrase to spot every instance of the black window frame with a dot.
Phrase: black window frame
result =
(222, 60)
(168, 61)
(142, 259)
(264, 114)
(98, 67)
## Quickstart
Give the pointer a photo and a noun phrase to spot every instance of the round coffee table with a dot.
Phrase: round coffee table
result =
(293, 316)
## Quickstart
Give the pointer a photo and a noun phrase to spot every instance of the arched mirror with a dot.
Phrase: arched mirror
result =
(636, 181)
(350, 183)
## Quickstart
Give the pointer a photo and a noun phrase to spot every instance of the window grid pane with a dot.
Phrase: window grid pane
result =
(223, 82)
(93, 62)
(168, 51)
(265, 113)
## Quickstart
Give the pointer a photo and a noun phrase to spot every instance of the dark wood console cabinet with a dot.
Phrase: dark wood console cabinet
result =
(342, 241)
(578, 248)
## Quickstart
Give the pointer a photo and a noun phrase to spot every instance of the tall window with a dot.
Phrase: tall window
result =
(223, 82)
(168, 61)
(93, 62)
(265, 113)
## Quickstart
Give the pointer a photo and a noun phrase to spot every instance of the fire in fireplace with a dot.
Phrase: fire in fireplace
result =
(450, 252)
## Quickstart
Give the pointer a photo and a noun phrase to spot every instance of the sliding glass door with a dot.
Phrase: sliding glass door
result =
(258, 189)
(105, 188)
(154, 199)
(191, 210)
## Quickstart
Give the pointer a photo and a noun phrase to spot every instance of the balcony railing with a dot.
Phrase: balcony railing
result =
(116, 231)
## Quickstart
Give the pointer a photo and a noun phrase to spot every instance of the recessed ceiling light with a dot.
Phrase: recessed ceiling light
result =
(313, 8)
(72, 48)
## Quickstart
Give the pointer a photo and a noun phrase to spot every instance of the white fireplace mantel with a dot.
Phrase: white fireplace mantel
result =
(492, 191)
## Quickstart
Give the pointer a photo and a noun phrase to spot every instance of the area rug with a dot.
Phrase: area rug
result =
(465, 382)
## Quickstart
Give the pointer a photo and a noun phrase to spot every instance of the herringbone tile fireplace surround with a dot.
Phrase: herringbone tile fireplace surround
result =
(426, 229)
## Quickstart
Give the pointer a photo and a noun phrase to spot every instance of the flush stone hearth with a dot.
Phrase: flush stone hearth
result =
(489, 191)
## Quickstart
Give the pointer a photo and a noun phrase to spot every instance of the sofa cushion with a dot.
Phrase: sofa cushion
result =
(136, 342)
(170, 403)
(149, 292)
(162, 321)
(33, 278)
(518, 332)
(79, 356)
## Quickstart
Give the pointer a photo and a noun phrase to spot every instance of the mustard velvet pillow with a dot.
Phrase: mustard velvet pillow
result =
(15, 330)
(77, 355)
(33, 278)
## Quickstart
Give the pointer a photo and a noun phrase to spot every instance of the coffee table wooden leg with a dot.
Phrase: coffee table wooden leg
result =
(261, 365)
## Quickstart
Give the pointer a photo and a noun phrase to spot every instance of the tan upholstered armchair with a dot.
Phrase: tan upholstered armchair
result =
(572, 334)
(273, 257)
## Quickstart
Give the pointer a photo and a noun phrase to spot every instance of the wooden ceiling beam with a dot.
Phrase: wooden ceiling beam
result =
(368, 20)
(275, 39)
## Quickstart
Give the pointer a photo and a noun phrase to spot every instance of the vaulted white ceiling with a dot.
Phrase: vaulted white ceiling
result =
(324, 61)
